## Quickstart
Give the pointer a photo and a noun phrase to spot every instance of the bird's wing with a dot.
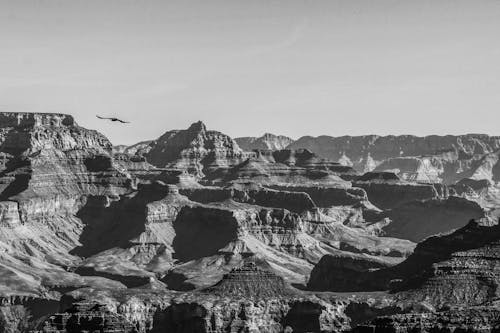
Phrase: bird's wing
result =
(101, 117)
(124, 122)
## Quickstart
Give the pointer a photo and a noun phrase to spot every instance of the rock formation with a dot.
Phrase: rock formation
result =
(251, 281)
(195, 150)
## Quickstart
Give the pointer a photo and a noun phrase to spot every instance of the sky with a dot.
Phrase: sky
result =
(246, 67)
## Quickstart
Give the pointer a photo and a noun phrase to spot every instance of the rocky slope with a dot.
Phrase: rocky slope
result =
(267, 141)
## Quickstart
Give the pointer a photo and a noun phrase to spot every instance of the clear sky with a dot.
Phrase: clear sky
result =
(246, 67)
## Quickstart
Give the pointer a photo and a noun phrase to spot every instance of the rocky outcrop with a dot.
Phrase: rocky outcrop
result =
(251, 281)
(196, 150)
(267, 141)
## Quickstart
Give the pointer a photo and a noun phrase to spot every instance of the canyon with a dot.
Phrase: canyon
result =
(195, 231)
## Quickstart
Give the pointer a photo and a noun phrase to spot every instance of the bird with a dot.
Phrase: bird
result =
(114, 119)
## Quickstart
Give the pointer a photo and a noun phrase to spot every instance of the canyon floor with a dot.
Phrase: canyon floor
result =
(197, 232)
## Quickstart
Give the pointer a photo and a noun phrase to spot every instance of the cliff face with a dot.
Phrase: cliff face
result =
(429, 158)
(51, 168)
(31, 132)
(196, 150)
(267, 141)
(50, 162)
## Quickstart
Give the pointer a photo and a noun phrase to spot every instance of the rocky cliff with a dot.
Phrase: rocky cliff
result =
(196, 150)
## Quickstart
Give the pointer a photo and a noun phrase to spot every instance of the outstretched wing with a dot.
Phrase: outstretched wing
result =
(113, 119)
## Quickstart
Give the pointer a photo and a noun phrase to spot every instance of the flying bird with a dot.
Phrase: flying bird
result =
(114, 119)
